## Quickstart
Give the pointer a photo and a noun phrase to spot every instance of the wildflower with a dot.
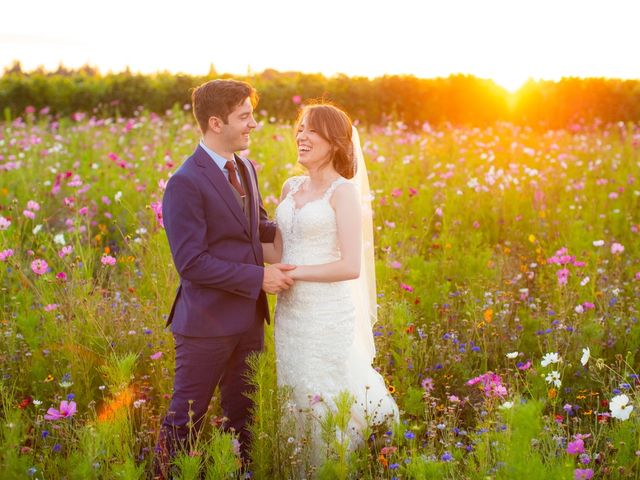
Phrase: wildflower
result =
(582, 474)
(391, 389)
(29, 214)
(549, 358)
(490, 384)
(39, 266)
(156, 356)
(506, 405)
(409, 435)
(61, 276)
(512, 355)
(118, 196)
(579, 309)
(598, 243)
(50, 307)
(36, 229)
(4, 254)
(584, 281)
(524, 366)
(586, 354)
(67, 409)
(427, 384)
(296, 99)
(59, 239)
(48, 379)
(406, 287)
(576, 447)
(4, 223)
(563, 275)
(66, 250)
(554, 378)
(620, 408)
(395, 265)
(108, 260)
(157, 209)
(65, 381)
(616, 248)
(446, 457)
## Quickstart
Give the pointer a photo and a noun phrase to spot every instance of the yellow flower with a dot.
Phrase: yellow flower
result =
(391, 389)
(532, 238)
(49, 378)
(488, 315)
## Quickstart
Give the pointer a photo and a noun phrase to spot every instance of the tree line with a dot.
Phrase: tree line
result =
(457, 99)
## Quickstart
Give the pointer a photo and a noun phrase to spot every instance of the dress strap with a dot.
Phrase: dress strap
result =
(295, 183)
(332, 188)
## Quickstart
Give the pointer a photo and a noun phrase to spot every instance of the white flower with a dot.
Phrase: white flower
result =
(506, 405)
(549, 358)
(37, 403)
(37, 228)
(59, 239)
(584, 281)
(598, 243)
(579, 309)
(512, 355)
(620, 408)
(586, 354)
(117, 196)
(554, 378)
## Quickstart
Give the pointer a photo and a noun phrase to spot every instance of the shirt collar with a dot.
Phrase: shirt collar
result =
(219, 160)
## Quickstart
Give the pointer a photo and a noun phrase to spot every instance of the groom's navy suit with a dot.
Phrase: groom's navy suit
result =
(217, 318)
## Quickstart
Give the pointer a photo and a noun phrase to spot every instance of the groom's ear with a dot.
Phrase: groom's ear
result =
(215, 124)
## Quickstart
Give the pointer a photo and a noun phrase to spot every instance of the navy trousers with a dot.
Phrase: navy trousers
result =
(201, 364)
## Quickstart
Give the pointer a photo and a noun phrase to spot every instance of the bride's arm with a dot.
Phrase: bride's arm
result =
(348, 219)
(272, 252)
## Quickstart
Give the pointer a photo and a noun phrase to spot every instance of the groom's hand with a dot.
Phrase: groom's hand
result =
(275, 280)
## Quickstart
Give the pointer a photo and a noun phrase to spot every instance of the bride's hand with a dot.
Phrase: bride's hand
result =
(293, 274)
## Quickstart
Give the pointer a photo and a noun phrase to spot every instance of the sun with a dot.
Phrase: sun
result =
(511, 83)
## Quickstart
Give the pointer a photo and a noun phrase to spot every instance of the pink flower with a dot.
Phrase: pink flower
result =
(67, 409)
(50, 307)
(155, 356)
(396, 192)
(66, 250)
(29, 214)
(396, 265)
(576, 447)
(297, 99)
(108, 260)
(406, 287)
(4, 254)
(4, 223)
(31, 205)
(39, 266)
(582, 474)
(563, 275)
(616, 248)
(525, 366)
(61, 276)
(157, 209)
(490, 384)
(83, 211)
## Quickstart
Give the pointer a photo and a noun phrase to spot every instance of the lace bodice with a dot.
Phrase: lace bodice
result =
(309, 232)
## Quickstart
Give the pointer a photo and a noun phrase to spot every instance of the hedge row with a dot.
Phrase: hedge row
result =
(458, 99)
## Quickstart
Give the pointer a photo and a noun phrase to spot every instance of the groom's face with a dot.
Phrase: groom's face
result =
(235, 132)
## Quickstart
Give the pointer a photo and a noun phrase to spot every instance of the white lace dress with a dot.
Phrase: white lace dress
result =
(314, 322)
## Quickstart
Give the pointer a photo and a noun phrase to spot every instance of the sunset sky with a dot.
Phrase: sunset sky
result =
(508, 41)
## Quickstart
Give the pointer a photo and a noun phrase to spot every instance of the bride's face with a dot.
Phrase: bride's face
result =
(313, 150)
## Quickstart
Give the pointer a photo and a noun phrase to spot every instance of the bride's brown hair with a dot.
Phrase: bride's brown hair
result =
(334, 126)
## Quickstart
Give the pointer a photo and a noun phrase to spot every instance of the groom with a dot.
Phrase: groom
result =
(215, 221)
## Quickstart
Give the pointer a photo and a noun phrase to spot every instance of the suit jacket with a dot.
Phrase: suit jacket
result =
(216, 249)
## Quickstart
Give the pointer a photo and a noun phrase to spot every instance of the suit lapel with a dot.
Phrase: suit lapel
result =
(221, 184)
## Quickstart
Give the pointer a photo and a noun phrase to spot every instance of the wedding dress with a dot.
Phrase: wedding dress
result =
(317, 354)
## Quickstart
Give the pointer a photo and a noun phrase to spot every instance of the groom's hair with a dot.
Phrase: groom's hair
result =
(218, 98)
(334, 125)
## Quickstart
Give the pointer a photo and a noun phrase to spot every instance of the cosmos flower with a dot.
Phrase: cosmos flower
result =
(549, 358)
(39, 266)
(67, 409)
(616, 248)
(620, 408)
(554, 378)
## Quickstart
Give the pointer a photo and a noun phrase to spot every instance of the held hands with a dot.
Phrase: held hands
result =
(275, 279)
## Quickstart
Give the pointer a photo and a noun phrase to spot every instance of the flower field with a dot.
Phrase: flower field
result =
(508, 270)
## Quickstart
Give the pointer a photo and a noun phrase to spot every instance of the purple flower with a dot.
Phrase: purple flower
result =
(446, 457)
(582, 473)
(576, 447)
(67, 409)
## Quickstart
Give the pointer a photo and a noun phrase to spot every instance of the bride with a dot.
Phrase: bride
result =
(323, 324)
